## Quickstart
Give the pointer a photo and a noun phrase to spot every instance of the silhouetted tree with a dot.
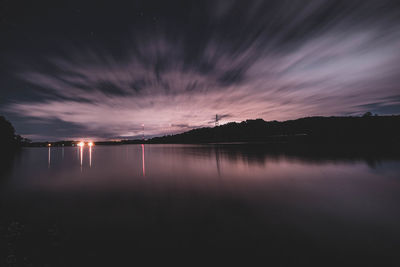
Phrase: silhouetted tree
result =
(9, 142)
(8, 139)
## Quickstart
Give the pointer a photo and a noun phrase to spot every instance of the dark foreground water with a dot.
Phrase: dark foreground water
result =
(113, 204)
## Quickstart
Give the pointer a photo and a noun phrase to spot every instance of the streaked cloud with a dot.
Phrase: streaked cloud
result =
(272, 61)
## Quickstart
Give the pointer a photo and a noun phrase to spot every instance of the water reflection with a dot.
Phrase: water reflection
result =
(81, 155)
(48, 158)
(223, 156)
(290, 199)
(90, 156)
(8, 159)
(261, 154)
(143, 166)
(217, 161)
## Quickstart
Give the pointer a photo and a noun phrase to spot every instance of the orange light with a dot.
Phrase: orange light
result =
(81, 144)
(90, 144)
(48, 144)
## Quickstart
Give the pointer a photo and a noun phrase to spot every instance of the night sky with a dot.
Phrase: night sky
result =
(99, 70)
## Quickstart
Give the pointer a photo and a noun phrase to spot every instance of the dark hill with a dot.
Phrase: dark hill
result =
(328, 130)
(9, 144)
(8, 139)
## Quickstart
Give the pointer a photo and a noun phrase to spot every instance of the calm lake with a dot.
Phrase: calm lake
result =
(60, 204)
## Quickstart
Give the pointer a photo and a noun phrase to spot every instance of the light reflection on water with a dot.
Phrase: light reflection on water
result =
(197, 163)
(218, 195)
(143, 167)
(82, 153)
(49, 158)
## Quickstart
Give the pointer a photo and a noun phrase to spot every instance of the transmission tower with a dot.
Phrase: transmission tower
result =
(216, 120)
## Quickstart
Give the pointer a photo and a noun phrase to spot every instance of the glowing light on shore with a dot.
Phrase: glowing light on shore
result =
(90, 144)
(81, 144)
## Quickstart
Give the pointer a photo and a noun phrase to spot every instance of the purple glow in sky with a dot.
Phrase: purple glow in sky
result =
(173, 71)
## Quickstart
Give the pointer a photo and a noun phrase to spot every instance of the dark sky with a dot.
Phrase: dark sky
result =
(98, 70)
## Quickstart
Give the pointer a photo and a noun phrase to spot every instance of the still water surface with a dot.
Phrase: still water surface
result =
(84, 202)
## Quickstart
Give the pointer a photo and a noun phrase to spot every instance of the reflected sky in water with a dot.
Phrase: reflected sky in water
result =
(234, 168)
(218, 195)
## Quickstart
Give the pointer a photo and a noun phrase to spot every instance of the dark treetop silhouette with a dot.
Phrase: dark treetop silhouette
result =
(9, 143)
(367, 129)
(325, 130)
(8, 139)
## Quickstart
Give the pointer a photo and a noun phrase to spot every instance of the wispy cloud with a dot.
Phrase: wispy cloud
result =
(276, 67)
